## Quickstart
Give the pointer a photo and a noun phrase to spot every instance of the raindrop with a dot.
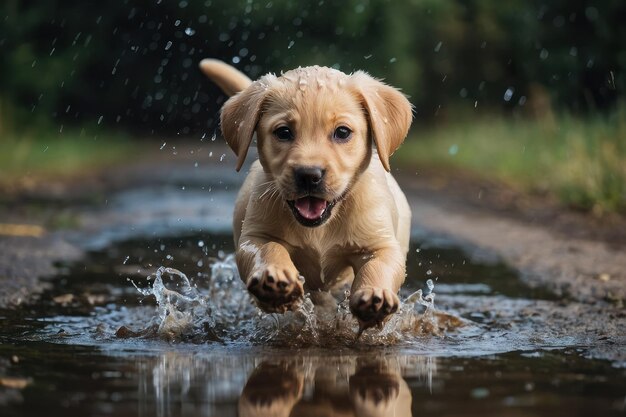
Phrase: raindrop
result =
(573, 51)
(190, 32)
(291, 43)
(453, 150)
(200, 243)
(163, 146)
(126, 260)
(168, 45)
(508, 94)
(438, 47)
(222, 157)
(544, 54)
(392, 60)
(100, 119)
(236, 60)
(429, 272)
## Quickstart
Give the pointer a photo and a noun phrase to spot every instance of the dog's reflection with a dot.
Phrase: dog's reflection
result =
(373, 387)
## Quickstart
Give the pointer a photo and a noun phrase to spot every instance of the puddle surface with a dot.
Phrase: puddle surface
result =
(93, 345)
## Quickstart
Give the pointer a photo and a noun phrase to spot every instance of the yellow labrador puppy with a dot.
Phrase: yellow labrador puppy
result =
(319, 207)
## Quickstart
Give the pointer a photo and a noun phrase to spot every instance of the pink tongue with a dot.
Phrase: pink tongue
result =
(311, 208)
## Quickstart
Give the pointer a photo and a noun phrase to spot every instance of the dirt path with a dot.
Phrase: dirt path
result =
(583, 264)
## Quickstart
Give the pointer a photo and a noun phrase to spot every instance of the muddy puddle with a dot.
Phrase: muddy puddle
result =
(100, 344)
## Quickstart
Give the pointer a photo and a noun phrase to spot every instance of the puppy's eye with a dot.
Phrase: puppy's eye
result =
(283, 134)
(342, 134)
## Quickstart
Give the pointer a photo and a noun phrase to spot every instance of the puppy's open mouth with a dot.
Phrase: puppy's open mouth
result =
(311, 211)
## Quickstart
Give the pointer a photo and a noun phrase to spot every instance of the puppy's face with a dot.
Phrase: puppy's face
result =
(313, 128)
(313, 140)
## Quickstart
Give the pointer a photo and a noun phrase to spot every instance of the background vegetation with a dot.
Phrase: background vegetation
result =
(490, 76)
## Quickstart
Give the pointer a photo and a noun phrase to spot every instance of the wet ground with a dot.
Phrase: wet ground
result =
(496, 342)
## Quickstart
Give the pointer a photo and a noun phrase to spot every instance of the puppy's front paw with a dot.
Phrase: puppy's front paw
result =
(372, 305)
(276, 288)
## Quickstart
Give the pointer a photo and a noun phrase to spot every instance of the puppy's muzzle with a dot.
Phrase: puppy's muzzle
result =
(310, 209)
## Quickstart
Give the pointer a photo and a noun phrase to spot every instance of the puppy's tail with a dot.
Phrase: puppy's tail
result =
(228, 78)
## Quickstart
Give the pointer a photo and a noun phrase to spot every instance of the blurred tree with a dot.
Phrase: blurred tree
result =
(134, 63)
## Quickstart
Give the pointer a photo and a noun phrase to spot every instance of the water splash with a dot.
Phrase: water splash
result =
(219, 308)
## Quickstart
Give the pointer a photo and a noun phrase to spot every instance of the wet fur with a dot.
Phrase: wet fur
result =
(365, 240)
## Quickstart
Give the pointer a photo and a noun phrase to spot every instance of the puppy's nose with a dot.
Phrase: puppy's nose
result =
(309, 177)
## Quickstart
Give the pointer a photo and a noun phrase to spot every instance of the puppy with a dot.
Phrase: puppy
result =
(319, 207)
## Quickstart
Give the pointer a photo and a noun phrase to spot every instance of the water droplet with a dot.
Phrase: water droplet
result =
(190, 32)
(222, 157)
(200, 243)
(453, 150)
(438, 46)
(429, 272)
(163, 146)
(126, 260)
(291, 43)
(168, 45)
(508, 94)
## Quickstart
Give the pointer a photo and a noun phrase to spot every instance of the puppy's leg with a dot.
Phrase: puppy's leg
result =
(270, 275)
(375, 287)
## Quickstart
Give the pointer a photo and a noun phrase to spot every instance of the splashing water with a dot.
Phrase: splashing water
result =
(222, 310)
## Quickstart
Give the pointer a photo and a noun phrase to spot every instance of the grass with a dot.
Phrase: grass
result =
(581, 161)
(40, 153)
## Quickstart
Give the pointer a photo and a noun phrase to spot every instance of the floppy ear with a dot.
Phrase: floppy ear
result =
(240, 115)
(389, 113)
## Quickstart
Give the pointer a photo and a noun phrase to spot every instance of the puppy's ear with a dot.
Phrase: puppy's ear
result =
(240, 115)
(388, 111)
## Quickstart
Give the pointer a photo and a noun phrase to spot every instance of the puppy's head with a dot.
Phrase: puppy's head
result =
(314, 129)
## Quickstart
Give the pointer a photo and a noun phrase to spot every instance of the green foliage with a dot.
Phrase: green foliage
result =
(134, 62)
(40, 151)
(579, 161)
